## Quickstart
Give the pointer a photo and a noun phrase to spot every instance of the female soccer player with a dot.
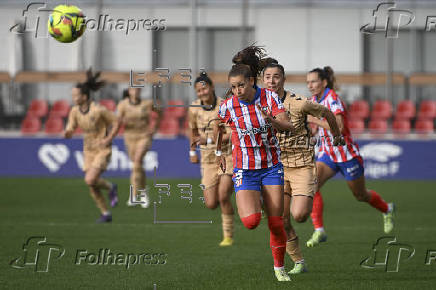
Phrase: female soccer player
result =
(217, 185)
(135, 113)
(254, 115)
(297, 156)
(95, 121)
(345, 159)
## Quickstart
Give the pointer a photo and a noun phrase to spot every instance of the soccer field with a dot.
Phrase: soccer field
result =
(189, 257)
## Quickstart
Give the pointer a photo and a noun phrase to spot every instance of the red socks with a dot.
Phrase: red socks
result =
(317, 210)
(377, 202)
(277, 239)
(251, 221)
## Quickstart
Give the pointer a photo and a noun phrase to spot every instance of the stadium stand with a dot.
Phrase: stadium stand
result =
(378, 126)
(60, 109)
(109, 104)
(427, 110)
(38, 108)
(359, 110)
(424, 126)
(382, 109)
(30, 125)
(54, 126)
(405, 110)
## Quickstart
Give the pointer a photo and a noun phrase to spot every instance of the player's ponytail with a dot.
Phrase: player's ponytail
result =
(91, 84)
(248, 62)
(327, 74)
(331, 79)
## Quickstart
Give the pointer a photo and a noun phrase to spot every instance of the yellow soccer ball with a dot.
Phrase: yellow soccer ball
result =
(66, 23)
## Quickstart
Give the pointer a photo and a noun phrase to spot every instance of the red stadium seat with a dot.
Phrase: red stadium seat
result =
(424, 126)
(60, 109)
(176, 112)
(401, 126)
(378, 126)
(54, 126)
(169, 127)
(38, 108)
(30, 125)
(78, 131)
(427, 110)
(381, 109)
(109, 104)
(359, 110)
(357, 126)
(405, 110)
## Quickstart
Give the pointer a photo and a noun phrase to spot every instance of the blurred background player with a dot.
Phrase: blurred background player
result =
(254, 115)
(135, 113)
(95, 121)
(297, 156)
(345, 159)
(217, 186)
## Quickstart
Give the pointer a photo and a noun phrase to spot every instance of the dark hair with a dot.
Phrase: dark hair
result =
(91, 83)
(327, 74)
(125, 93)
(204, 78)
(271, 62)
(248, 62)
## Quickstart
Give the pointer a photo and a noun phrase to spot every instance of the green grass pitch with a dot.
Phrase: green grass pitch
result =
(63, 212)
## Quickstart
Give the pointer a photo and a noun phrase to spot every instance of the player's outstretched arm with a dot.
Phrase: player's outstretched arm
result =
(220, 160)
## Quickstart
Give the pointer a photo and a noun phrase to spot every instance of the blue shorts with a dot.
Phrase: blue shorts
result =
(351, 169)
(253, 179)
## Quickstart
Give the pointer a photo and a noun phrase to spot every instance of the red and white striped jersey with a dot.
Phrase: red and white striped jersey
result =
(254, 142)
(338, 153)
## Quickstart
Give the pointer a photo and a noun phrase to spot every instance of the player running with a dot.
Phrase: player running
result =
(254, 115)
(95, 121)
(345, 159)
(217, 185)
(135, 114)
(297, 156)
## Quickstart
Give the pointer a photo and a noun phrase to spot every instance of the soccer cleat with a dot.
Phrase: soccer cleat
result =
(226, 242)
(317, 237)
(145, 201)
(113, 196)
(281, 275)
(104, 218)
(388, 219)
(298, 269)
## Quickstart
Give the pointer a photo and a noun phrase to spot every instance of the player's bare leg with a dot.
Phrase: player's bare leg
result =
(324, 173)
(273, 205)
(300, 207)
(138, 178)
(225, 187)
(361, 193)
(292, 246)
(91, 177)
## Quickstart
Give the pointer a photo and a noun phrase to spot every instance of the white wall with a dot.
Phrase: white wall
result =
(300, 38)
